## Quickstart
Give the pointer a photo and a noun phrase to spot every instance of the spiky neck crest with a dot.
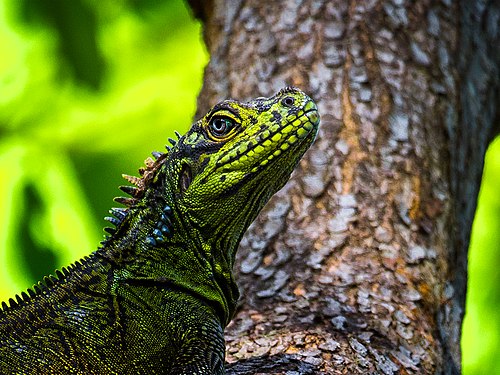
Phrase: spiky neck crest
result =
(137, 192)
(147, 174)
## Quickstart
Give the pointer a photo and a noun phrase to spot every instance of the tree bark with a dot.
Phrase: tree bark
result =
(358, 265)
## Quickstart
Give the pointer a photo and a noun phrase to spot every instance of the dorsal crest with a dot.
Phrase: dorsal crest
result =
(43, 286)
(140, 185)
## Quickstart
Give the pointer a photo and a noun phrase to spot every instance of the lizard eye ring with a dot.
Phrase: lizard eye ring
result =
(220, 126)
(287, 101)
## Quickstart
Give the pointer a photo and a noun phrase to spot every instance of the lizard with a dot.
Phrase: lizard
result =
(156, 296)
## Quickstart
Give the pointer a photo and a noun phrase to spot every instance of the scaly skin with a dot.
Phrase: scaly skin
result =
(157, 295)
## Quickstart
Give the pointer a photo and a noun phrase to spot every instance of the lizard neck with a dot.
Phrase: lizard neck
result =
(157, 244)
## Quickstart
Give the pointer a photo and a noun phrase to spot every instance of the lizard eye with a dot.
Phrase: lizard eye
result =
(220, 126)
(287, 101)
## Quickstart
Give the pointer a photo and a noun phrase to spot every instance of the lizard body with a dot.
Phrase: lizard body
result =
(157, 295)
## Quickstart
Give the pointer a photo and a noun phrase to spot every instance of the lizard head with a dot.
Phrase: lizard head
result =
(237, 156)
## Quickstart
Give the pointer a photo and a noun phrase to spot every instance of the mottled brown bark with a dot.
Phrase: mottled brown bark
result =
(359, 264)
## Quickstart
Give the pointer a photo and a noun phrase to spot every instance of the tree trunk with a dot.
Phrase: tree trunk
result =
(358, 265)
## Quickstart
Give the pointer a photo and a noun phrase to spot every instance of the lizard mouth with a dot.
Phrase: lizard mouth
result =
(299, 131)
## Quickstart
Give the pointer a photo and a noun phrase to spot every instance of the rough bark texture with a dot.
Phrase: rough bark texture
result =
(359, 264)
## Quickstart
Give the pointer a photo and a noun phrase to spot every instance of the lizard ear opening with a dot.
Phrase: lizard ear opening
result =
(185, 178)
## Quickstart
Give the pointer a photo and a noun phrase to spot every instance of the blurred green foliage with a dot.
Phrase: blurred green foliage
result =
(481, 329)
(87, 90)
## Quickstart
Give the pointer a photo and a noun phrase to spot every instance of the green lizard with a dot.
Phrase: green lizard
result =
(157, 295)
